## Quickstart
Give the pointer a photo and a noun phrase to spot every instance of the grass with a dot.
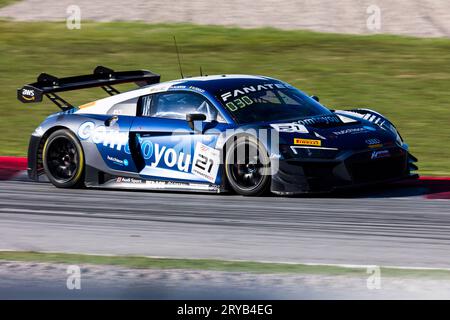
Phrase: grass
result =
(407, 79)
(214, 265)
(4, 3)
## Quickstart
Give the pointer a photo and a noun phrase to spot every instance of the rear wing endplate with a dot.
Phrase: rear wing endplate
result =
(48, 85)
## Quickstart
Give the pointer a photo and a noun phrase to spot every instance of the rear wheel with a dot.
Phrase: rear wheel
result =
(63, 160)
(247, 167)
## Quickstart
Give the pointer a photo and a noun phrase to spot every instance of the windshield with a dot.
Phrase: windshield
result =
(270, 102)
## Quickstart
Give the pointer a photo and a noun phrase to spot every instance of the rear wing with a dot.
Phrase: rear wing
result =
(48, 85)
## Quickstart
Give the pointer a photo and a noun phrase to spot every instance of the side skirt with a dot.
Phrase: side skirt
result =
(129, 183)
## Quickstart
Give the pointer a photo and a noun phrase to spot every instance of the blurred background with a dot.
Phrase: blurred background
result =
(389, 56)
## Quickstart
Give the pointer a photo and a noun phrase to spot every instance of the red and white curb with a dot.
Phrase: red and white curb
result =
(439, 185)
(14, 168)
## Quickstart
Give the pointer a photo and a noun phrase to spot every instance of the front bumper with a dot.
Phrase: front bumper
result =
(35, 168)
(348, 169)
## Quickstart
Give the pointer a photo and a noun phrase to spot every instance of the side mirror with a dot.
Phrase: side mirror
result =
(315, 98)
(111, 121)
(191, 118)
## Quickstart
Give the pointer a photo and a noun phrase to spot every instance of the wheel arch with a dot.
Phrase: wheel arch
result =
(58, 132)
(228, 142)
(35, 151)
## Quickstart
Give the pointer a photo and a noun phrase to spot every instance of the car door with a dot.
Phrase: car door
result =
(165, 145)
(109, 134)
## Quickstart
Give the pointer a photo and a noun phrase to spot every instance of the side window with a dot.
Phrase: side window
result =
(124, 108)
(176, 105)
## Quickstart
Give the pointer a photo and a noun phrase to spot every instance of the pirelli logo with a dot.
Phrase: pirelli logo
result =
(307, 142)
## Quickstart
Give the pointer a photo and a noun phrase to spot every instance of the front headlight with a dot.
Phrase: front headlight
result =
(313, 153)
(398, 138)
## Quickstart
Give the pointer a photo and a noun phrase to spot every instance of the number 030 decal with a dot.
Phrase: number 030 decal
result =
(239, 103)
(206, 162)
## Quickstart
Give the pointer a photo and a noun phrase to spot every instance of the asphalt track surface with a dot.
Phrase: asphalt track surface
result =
(395, 226)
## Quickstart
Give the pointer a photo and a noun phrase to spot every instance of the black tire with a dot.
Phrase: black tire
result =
(249, 176)
(63, 160)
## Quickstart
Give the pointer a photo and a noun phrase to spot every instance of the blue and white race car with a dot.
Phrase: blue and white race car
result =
(241, 133)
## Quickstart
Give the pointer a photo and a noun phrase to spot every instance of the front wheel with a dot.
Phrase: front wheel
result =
(63, 160)
(247, 167)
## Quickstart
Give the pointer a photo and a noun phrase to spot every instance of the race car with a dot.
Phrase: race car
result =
(225, 133)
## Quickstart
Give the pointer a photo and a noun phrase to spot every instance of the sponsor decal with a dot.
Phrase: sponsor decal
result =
(350, 131)
(177, 87)
(157, 184)
(117, 160)
(110, 137)
(164, 184)
(206, 162)
(239, 103)
(245, 90)
(197, 89)
(167, 161)
(380, 154)
(183, 87)
(307, 142)
(129, 180)
(28, 94)
(147, 148)
(318, 120)
(289, 127)
(168, 156)
(374, 143)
